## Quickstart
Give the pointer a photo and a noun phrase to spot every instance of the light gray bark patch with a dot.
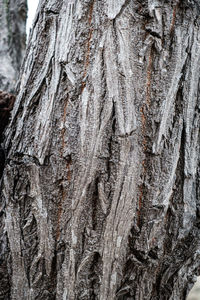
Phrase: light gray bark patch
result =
(113, 8)
(175, 81)
(125, 109)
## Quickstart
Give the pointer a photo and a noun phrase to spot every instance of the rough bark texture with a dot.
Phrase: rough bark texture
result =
(12, 41)
(101, 185)
(12, 50)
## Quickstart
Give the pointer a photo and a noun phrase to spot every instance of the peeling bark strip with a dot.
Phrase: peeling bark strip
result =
(101, 186)
(87, 55)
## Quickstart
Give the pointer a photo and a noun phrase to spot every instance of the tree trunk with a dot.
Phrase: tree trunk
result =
(12, 41)
(12, 49)
(101, 185)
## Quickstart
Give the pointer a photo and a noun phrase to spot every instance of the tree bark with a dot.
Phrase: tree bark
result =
(101, 186)
(12, 41)
(12, 50)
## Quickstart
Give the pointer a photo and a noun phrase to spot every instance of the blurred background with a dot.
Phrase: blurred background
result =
(195, 292)
(32, 6)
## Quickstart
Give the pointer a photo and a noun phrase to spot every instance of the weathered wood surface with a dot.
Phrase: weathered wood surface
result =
(12, 41)
(101, 187)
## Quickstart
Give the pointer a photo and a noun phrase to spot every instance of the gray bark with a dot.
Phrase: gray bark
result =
(101, 185)
(12, 49)
(12, 41)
